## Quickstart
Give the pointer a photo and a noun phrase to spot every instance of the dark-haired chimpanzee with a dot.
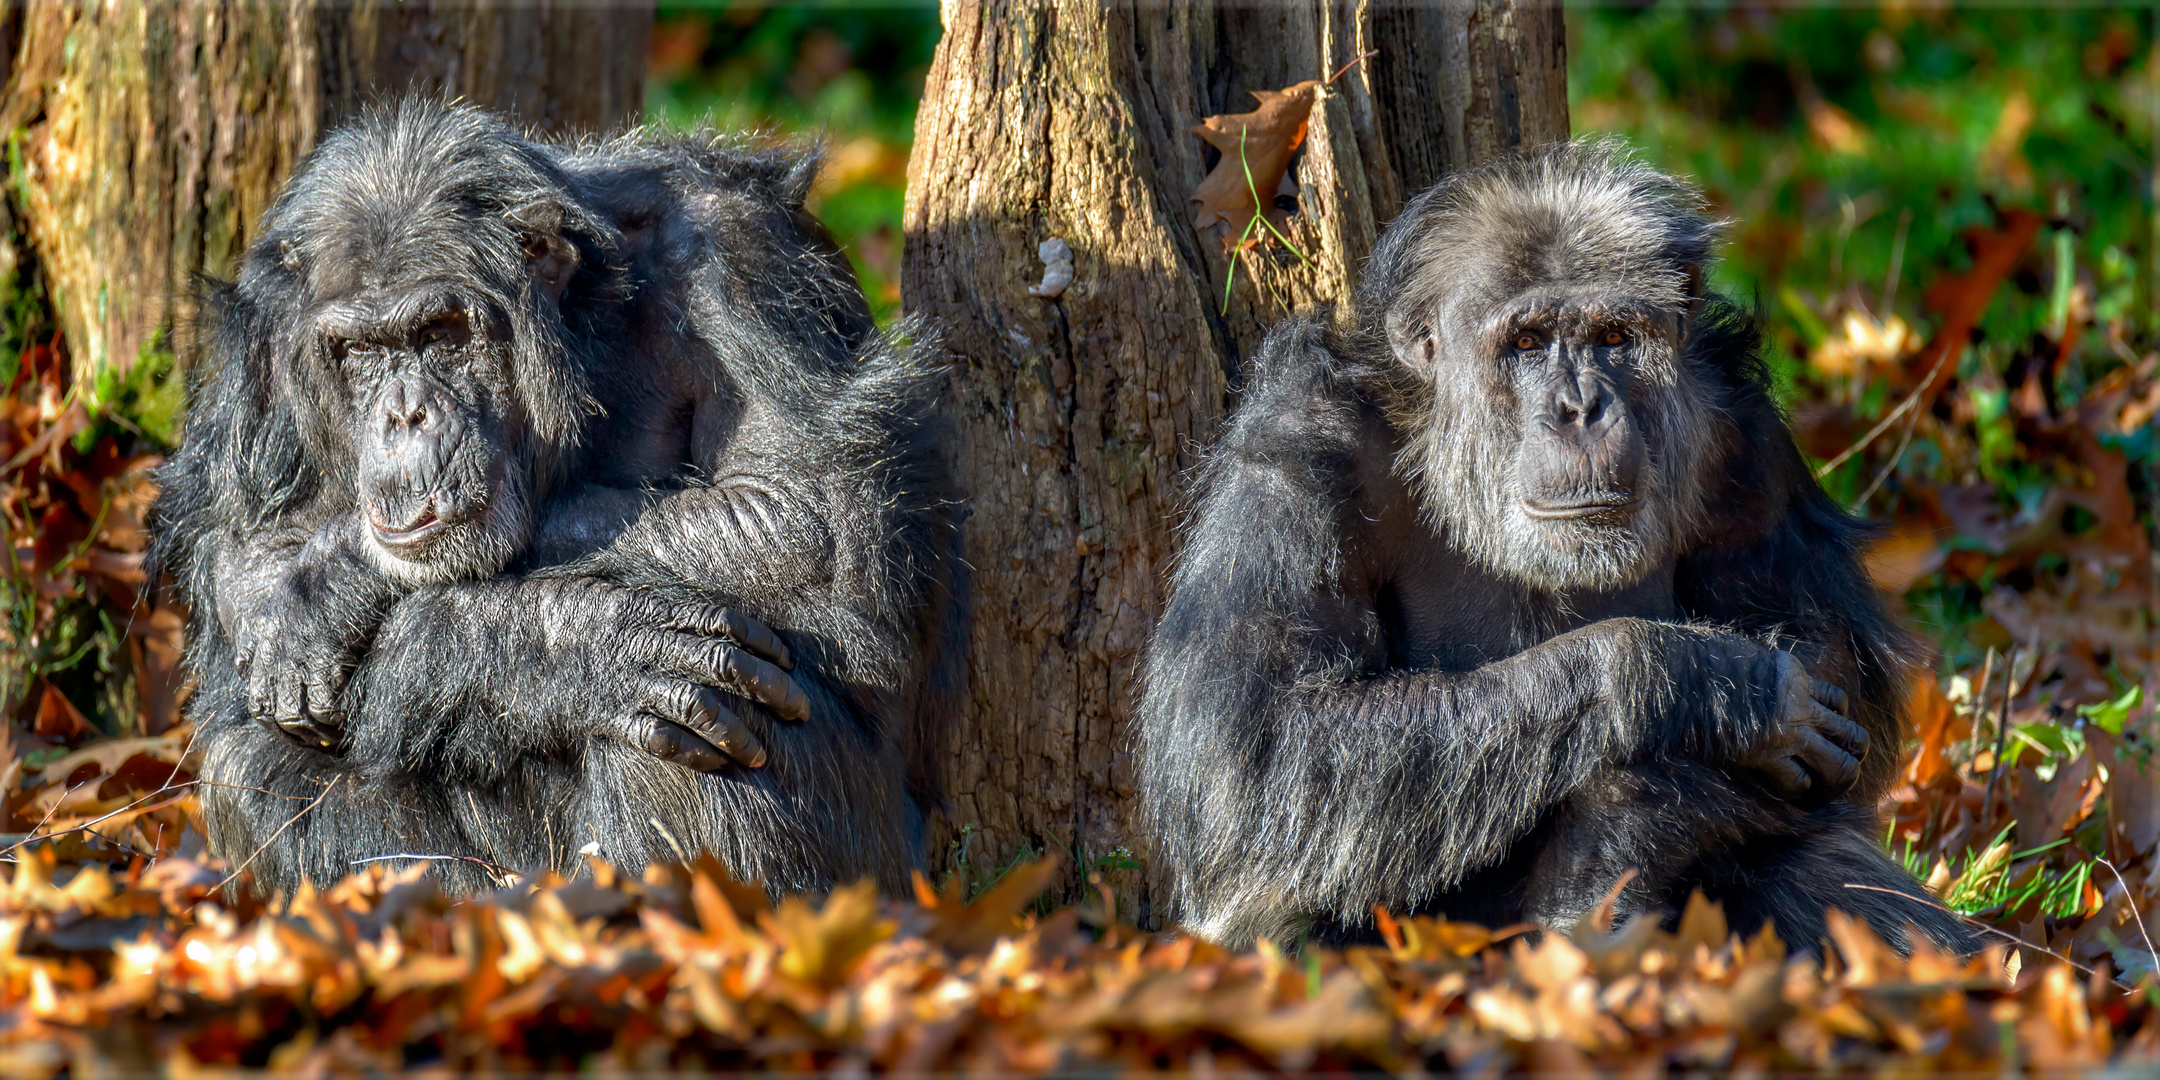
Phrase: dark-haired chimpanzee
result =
(524, 485)
(1513, 582)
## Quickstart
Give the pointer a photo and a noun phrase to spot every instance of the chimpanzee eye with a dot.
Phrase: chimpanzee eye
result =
(1614, 337)
(346, 350)
(1526, 341)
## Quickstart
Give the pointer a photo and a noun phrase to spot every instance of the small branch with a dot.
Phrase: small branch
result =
(1911, 402)
(265, 845)
(2132, 899)
(1345, 69)
(1912, 423)
(87, 825)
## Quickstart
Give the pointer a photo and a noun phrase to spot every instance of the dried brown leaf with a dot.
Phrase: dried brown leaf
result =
(1262, 143)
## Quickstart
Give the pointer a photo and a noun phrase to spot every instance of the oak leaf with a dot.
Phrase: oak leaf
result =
(1262, 141)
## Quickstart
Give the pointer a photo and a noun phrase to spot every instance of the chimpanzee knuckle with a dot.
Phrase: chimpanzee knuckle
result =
(760, 638)
(700, 757)
(743, 746)
(1825, 759)
(1847, 774)
(786, 696)
(766, 684)
(701, 707)
(675, 699)
(752, 634)
(668, 742)
(710, 659)
(714, 619)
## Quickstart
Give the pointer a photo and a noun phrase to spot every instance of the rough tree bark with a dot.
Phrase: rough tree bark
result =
(149, 136)
(1077, 417)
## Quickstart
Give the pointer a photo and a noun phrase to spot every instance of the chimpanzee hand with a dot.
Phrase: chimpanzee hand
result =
(299, 623)
(657, 673)
(294, 662)
(1810, 749)
(534, 664)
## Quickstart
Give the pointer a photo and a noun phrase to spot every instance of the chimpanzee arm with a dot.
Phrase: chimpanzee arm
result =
(1288, 775)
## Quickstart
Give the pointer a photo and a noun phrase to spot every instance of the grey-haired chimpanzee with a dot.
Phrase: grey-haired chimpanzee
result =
(1514, 582)
(524, 486)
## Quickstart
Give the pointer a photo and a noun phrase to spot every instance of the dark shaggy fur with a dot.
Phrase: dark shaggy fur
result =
(1515, 582)
(663, 386)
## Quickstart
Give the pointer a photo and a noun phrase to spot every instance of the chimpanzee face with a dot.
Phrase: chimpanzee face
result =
(441, 447)
(1566, 432)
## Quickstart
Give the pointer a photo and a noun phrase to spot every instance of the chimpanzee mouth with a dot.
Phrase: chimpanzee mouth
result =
(409, 535)
(1598, 506)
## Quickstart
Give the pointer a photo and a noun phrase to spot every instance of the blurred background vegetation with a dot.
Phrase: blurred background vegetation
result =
(848, 73)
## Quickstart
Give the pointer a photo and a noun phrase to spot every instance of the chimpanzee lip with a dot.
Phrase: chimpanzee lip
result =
(1594, 507)
(422, 526)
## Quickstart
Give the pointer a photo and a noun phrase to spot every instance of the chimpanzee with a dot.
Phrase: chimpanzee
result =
(525, 485)
(1511, 581)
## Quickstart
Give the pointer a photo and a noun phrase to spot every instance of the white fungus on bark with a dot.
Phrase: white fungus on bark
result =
(1057, 269)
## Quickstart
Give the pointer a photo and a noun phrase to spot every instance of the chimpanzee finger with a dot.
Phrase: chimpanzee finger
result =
(321, 699)
(717, 663)
(1786, 777)
(288, 698)
(310, 734)
(1848, 736)
(671, 743)
(1829, 695)
(738, 628)
(699, 709)
(1834, 767)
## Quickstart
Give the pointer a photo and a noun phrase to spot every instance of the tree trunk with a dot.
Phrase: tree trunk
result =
(154, 134)
(1077, 417)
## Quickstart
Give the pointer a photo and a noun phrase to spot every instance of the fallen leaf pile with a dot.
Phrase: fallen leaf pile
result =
(85, 658)
(684, 968)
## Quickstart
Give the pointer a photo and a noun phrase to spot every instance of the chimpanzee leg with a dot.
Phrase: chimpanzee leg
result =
(1833, 862)
(1654, 823)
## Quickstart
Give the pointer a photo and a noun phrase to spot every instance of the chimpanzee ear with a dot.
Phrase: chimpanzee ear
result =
(1414, 341)
(1698, 290)
(550, 258)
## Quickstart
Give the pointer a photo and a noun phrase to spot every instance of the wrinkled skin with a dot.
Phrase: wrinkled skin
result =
(1508, 591)
(537, 499)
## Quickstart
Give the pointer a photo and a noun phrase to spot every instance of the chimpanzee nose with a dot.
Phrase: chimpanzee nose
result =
(1580, 401)
(408, 406)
